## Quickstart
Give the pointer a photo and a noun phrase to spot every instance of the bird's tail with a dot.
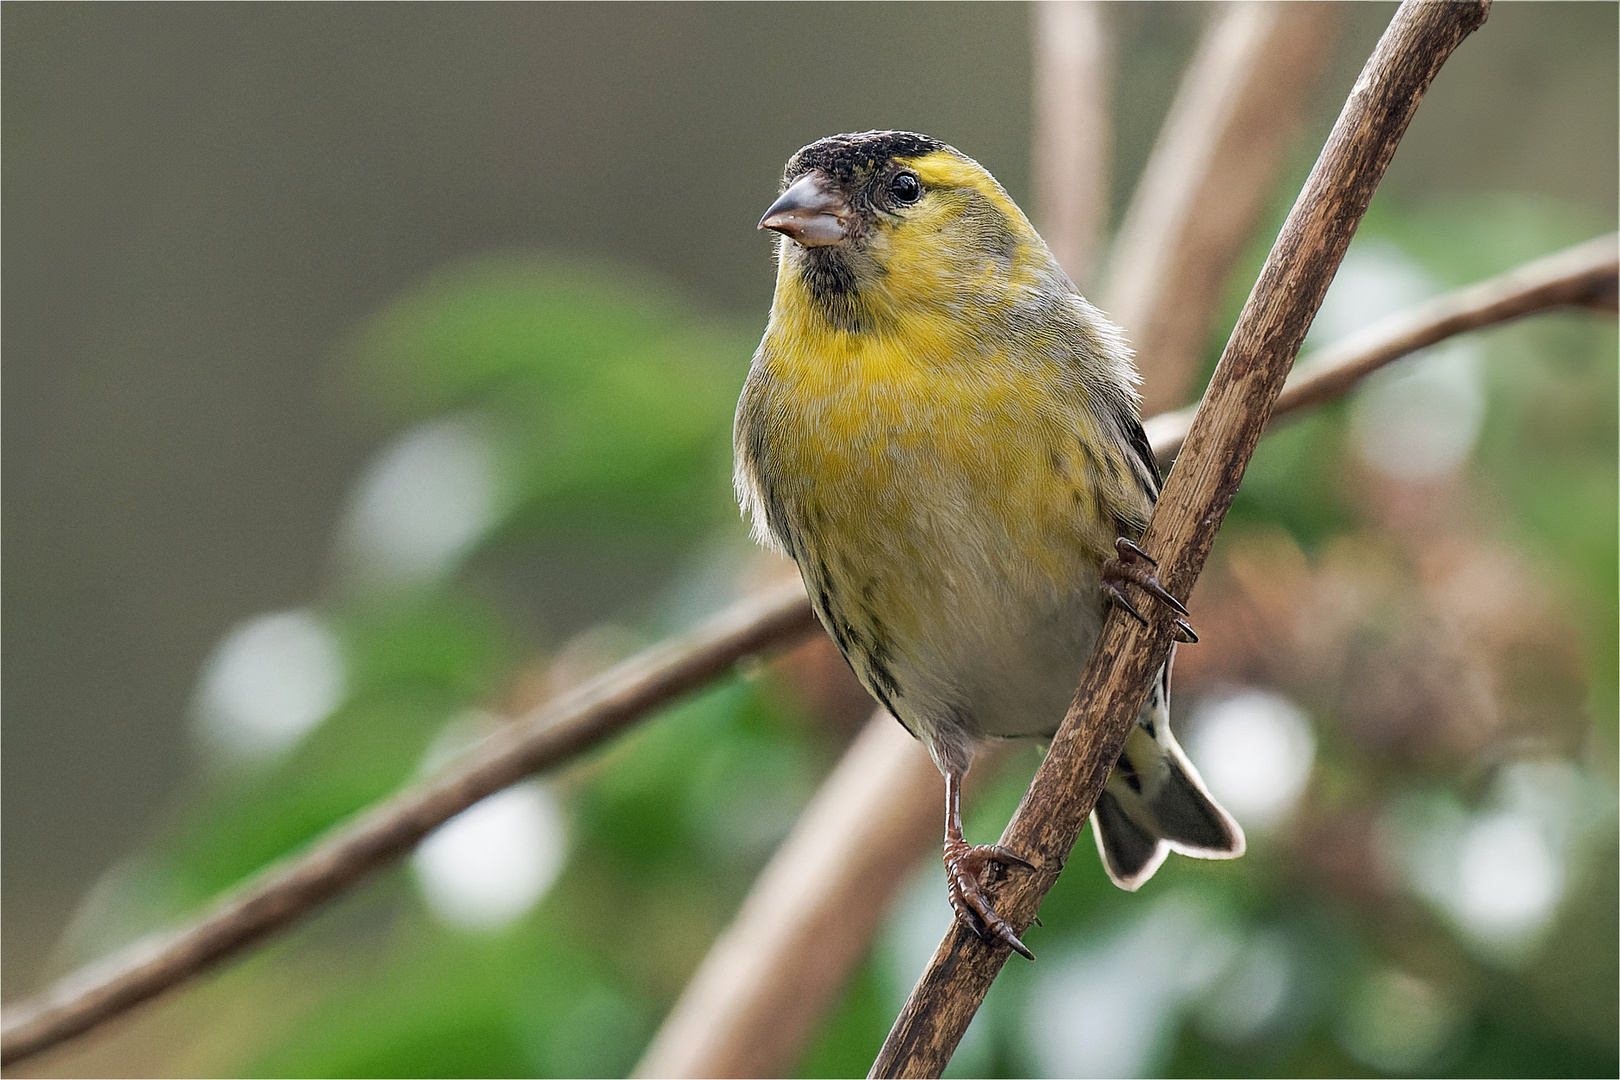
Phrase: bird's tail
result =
(1155, 802)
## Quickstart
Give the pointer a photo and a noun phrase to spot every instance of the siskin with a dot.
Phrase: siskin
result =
(944, 435)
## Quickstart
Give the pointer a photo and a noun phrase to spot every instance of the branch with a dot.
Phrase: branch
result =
(1210, 176)
(811, 914)
(1071, 130)
(278, 895)
(1584, 276)
(1579, 276)
(1196, 496)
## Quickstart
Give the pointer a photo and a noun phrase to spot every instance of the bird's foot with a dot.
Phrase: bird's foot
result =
(1135, 567)
(963, 866)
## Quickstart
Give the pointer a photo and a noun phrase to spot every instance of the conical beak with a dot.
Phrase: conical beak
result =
(812, 212)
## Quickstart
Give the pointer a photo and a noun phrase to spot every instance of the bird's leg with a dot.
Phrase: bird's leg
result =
(964, 863)
(1135, 567)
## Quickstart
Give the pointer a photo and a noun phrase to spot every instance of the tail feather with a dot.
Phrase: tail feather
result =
(1130, 852)
(1189, 819)
(1155, 802)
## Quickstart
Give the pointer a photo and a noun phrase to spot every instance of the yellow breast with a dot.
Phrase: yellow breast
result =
(932, 469)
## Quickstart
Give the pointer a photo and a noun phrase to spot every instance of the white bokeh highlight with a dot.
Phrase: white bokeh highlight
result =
(422, 504)
(1254, 750)
(1417, 420)
(489, 865)
(1508, 878)
(1253, 994)
(269, 681)
(1376, 279)
(1110, 1008)
(1497, 873)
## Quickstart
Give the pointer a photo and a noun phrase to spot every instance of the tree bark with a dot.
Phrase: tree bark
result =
(1194, 502)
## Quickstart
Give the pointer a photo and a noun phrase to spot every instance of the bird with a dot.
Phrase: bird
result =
(944, 435)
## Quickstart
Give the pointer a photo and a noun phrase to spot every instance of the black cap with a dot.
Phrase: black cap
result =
(845, 156)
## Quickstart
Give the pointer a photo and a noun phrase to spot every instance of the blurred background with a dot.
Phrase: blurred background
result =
(369, 373)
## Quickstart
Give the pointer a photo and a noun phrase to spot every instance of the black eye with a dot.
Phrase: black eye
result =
(905, 188)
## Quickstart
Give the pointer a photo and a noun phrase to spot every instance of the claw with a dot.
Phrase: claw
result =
(972, 907)
(1154, 589)
(967, 917)
(1126, 569)
(1005, 857)
(1117, 595)
(1185, 633)
(1127, 549)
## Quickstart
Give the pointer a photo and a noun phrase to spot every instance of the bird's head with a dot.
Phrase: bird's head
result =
(880, 224)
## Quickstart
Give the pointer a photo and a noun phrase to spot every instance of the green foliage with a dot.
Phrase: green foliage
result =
(610, 402)
(574, 987)
(412, 667)
(1293, 482)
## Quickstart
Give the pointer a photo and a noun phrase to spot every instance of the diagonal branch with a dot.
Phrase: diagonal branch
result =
(1583, 275)
(1196, 496)
(282, 893)
(811, 914)
(1579, 276)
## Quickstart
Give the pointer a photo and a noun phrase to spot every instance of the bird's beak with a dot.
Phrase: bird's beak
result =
(812, 212)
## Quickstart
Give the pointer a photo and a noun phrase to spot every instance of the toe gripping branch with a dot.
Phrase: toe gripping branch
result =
(1129, 568)
(964, 865)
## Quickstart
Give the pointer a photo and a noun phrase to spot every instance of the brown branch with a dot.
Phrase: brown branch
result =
(791, 945)
(1196, 496)
(1072, 143)
(280, 894)
(1585, 275)
(1579, 276)
(811, 915)
(1209, 178)
(1582, 276)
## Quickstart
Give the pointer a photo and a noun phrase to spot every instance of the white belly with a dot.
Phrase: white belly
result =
(990, 644)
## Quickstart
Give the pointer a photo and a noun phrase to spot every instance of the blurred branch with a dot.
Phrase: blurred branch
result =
(791, 945)
(1190, 510)
(1581, 276)
(1211, 172)
(1584, 275)
(1072, 143)
(556, 731)
(810, 915)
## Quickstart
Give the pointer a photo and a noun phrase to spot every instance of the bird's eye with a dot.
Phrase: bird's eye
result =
(905, 188)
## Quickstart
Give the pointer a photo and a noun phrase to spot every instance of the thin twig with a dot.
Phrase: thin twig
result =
(771, 974)
(1072, 132)
(1579, 276)
(1210, 176)
(1583, 275)
(560, 729)
(1194, 502)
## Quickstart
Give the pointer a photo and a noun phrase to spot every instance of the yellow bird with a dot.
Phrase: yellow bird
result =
(944, 435)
